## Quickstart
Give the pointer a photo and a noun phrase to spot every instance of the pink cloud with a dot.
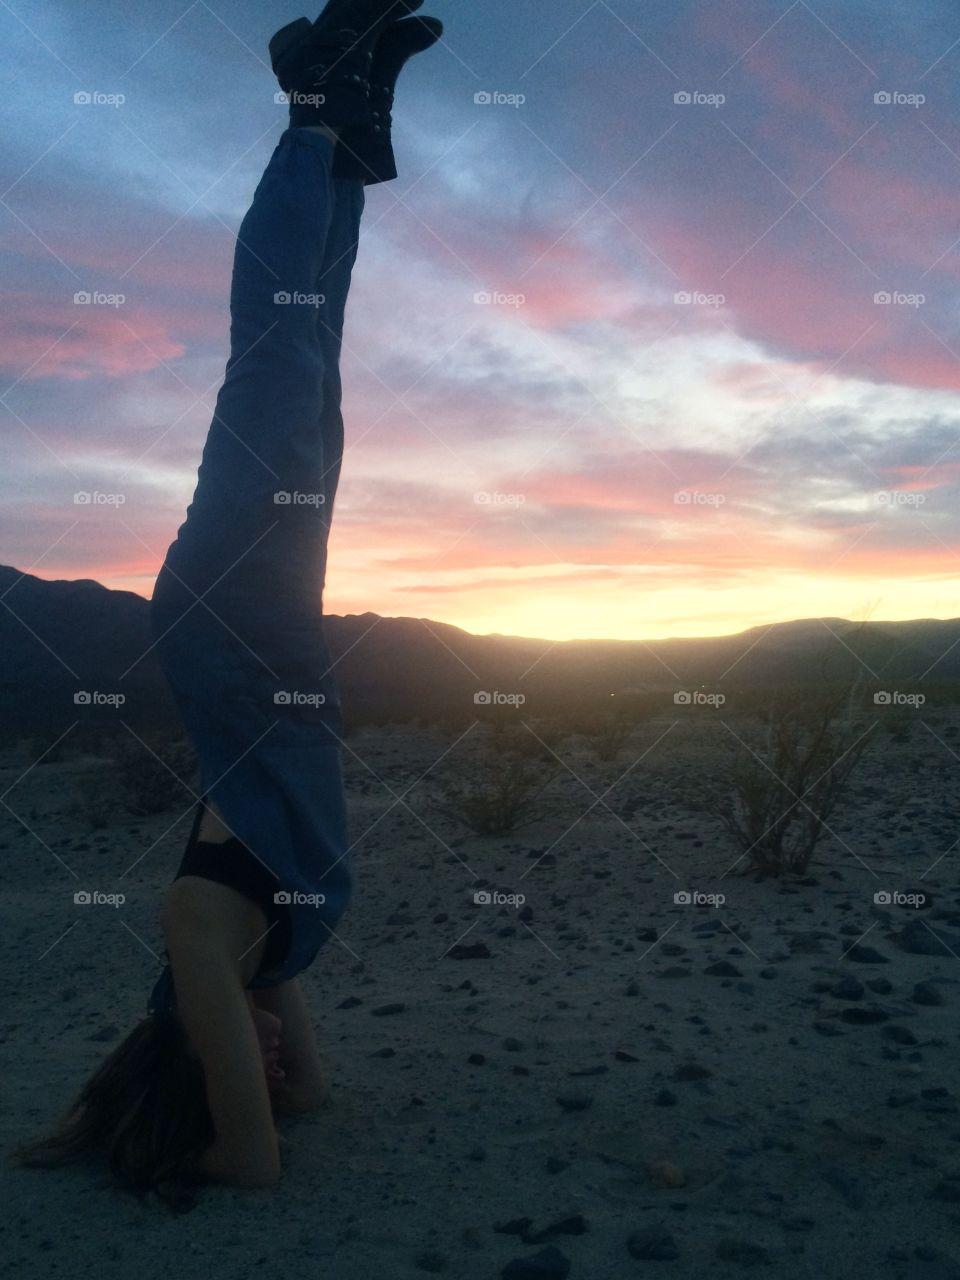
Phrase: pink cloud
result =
(43, 339)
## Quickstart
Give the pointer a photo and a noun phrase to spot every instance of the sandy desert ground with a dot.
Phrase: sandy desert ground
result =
(602, 1083)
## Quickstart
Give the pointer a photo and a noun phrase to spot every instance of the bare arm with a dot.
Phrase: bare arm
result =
(304, 1085)
(209, 930)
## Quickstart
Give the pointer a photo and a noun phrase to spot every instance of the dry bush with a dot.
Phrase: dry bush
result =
(503, 787)
(142, 776)
(784, 784)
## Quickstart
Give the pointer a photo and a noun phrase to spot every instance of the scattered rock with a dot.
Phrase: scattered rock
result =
(665, 1174)
(847, 989)
(351, 1002)
(927, 993)
(574, 1224)
(947, 1189)
(106, 1033)
(692, 1071)
(824, 1028)
(513, 1227)
(382, 1010)
(900, 1098)
(548, 1264)
(920, 939)
(866, 955)
(723, 969)
(846, 1184)
(469, 951)
(433, 1262)
(898, 1034)
(653, 1244)
(864, 1017)
(743, 1252)
(575, 1101)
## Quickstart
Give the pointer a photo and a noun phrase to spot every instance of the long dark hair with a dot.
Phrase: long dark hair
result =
(144, 1110)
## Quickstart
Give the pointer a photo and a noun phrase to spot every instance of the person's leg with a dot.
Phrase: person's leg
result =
(264, 423)
(334, 284)
(240, 584)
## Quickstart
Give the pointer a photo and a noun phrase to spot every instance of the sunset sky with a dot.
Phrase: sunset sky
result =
(785, 445)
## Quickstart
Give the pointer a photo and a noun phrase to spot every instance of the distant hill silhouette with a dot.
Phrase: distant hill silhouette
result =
(59, 637)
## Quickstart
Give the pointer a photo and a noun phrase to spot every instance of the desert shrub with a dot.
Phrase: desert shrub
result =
(49, 747)
(609, 728)
(502, 790)
(783, 785)
(143, 776)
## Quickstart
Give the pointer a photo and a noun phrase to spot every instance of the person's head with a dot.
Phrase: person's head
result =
(144, 1110)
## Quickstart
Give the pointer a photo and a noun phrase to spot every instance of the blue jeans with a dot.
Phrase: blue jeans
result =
(237, 607)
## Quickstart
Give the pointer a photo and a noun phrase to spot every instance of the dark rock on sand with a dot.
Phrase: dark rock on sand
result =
(920, 939)
(692, 1071)
(847, 1185)
(575, 1101)
(866, 955)
(864, 1017)
(548, 1264)
(927, 993)
(654, 1244)
(432, 1262)
(743, 1252)
(847, 989)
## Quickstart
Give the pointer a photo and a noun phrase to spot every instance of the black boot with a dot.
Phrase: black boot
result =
(365, 149)
(324, 66)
